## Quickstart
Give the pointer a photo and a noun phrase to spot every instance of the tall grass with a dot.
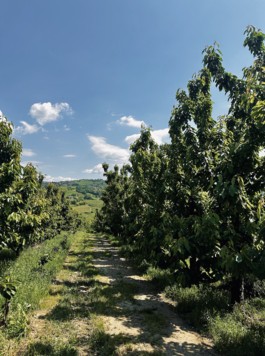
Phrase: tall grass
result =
(32, 273)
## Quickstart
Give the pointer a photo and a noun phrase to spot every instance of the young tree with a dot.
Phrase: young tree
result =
(28, 212)
(10, 174)
(239, 188)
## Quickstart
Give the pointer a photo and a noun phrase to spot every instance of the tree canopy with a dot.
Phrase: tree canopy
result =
(196, 205)
(29, 212)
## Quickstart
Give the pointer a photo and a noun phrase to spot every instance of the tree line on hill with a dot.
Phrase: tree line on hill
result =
(29, 211)
(196, 205)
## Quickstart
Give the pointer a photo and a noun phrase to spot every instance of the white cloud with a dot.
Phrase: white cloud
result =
(3, 118)
(50, 179)
(69, 156)
(95, 170)
(108, 151)
(66, 128)
(27, 152)
(26, 128)
(160, 136)
(130, 139)
(48, 112)
(130, 121)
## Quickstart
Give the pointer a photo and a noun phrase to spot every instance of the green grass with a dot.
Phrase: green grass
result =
(236, 332)
(242, 332)
(95, 203)
(199, 303)
(88, 205)
(87, 209)
(47, 348)
(161, 277)
(80, 296)
(6, 259)
(32, 281)
(82, 209)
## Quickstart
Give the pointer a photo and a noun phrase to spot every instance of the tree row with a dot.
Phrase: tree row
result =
(29, 212)
(196, 205)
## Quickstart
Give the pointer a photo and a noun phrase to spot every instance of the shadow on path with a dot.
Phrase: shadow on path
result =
(133, 308)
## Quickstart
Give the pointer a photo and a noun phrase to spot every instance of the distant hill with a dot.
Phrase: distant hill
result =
(82, 189)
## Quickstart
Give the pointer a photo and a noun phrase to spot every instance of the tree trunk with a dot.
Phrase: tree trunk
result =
(237, 290)
(194, 271)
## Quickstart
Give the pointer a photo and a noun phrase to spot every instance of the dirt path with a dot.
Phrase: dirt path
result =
(146, 318)
(97, 305)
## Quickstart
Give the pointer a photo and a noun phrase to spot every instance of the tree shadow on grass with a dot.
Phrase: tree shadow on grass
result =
(45, 348)
(104, 344)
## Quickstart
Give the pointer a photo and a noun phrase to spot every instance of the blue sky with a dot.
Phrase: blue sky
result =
(79, 76)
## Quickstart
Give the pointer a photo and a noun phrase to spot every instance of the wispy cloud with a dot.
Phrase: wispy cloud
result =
(69, 156)
(26, 128)
(95, 170)
(27, 152)
(44, 113)
(108, 151)
(131, 138)
(49, 178)
(159, 136)
(130, 121)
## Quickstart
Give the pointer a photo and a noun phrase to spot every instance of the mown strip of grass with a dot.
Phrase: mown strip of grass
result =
(70, 323)
(32, 273)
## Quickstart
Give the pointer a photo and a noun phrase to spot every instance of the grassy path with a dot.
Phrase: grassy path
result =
(64, 323)
(98, 306)
(137, 320)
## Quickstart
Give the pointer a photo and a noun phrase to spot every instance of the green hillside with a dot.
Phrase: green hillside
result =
(83, 188)
(84, 195)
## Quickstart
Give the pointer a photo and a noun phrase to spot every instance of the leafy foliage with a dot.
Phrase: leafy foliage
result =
(196, 205)
(29, 213)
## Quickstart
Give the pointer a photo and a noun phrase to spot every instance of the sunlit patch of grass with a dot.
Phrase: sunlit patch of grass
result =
(55, 289)
(241, 332)
(59, 339)
(49, 302)
(32, 279)
(82, 209)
